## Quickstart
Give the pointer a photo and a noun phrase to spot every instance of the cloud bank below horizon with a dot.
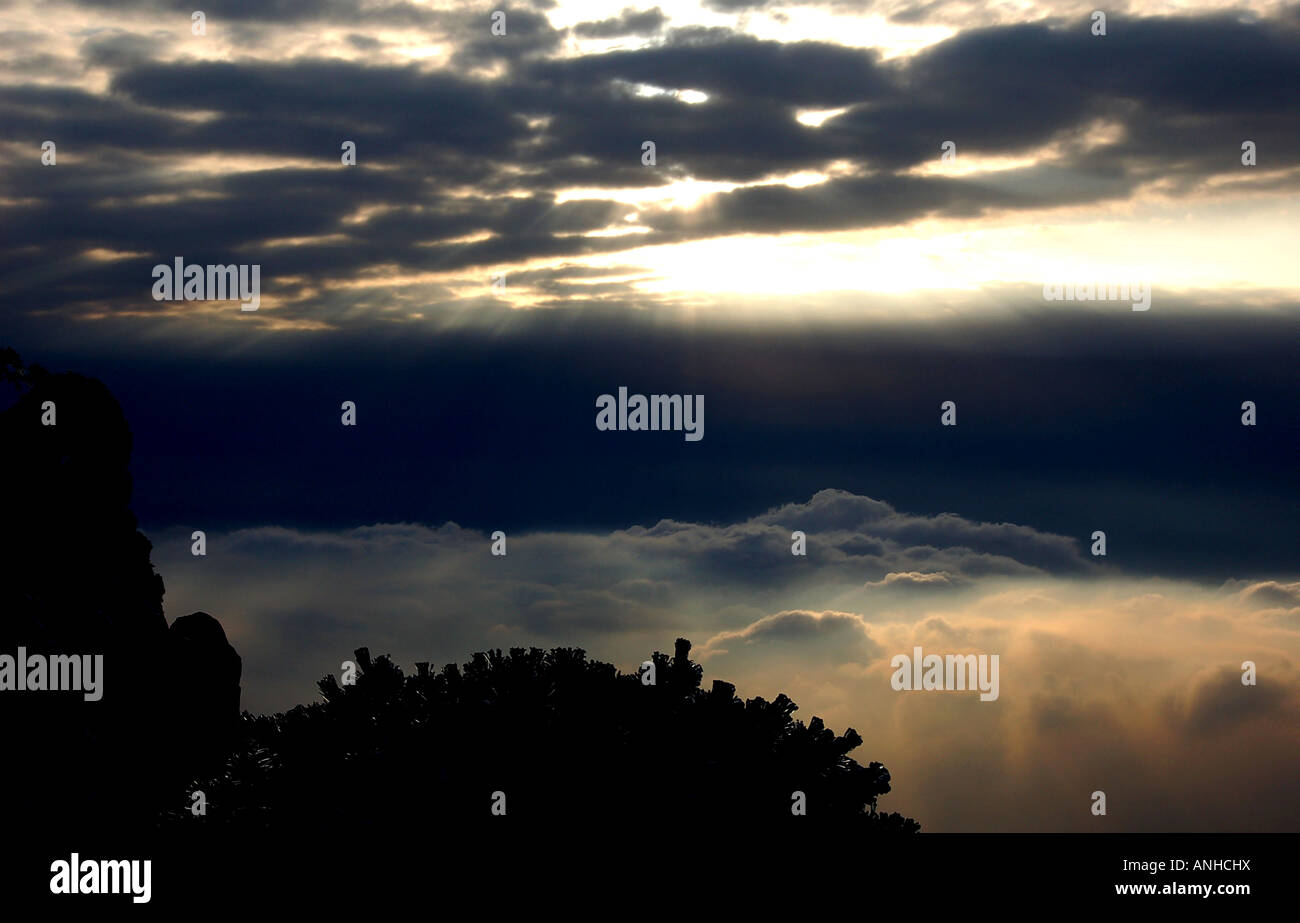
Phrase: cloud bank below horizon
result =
(1130, 685)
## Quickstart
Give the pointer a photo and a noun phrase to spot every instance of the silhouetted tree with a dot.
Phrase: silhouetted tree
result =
(567, 740)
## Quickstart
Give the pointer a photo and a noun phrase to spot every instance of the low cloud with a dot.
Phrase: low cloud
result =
(1131, 687)
(914, 578)
(1127, 685)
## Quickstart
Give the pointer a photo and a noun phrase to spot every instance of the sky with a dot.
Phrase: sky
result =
(807, 252)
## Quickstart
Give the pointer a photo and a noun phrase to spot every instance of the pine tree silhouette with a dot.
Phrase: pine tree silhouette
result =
(564, 738)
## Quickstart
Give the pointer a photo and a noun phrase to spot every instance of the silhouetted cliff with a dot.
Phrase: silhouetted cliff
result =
(76, 580)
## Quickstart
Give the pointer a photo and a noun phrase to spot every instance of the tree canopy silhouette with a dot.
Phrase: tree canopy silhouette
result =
(564, 738)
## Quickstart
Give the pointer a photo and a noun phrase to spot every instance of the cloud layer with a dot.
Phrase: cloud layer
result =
(1129, 686)
(509, 151)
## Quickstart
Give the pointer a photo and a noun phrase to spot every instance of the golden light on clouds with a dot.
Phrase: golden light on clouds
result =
(1176, 245)
(1133, 688)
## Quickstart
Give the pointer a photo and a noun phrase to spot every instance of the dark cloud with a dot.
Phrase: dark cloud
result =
(629, 22)
(734, 6)
(288, 11)
(117, 49)
(1218, 701)
(452, 146)
(1268, 593)
(528, 34)
(732, 66)
(916, 12)
(364, 42)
